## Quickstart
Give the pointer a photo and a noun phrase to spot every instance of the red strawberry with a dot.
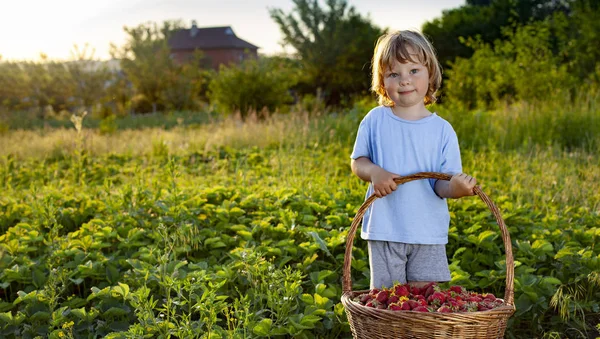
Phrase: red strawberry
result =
(437, 297)
(393, 299)
(394, 307)
(382, 296)
(475, 299)
(364, 298)
(401, 291)
(456, 289)
(429, 291)
(415, 290)
(489, 297)
(406, 306)
(413, 304)
(444, 309)
(421, 309)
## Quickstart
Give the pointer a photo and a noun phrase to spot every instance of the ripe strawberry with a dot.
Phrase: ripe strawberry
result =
(382, 296)
(415, 291)
(401, 291)
(482, 307)
(364, 298)
(475, 299)
(394, 307)
(393, 299)
(444, 309)
(413, 304)
(489, 297)
(456, 289)
(429, 291)
(406, 306)
(437, 297)
(421, 309)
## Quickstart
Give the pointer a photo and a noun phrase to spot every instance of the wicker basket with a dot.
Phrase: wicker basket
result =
(367, 322)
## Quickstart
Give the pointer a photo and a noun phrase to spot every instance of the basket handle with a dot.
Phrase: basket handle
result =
(510, 269)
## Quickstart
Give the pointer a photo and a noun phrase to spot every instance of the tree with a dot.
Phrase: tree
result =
(334, 47)
(145, 59)
(484, 19)
(254, 85)
(90, 77)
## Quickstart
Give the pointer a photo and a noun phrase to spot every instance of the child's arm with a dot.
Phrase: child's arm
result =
(382, 180)
(460, 185)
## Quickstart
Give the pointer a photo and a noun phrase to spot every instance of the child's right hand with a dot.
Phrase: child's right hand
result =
(383, 182)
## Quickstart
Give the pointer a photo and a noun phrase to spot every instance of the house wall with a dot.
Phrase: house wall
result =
(216, 56)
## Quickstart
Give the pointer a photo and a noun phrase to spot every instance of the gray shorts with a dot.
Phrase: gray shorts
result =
(392, 262)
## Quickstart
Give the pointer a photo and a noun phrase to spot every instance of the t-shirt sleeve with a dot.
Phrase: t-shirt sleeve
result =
(451, 161)
(361, 145)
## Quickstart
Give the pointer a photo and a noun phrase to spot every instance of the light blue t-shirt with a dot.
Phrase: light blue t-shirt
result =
(413, 213)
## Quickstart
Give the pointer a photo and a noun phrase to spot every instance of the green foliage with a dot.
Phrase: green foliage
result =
(520, 68)
(244, 241)
(334, 47)
(252, 86)
(484, 19)
(160, 82)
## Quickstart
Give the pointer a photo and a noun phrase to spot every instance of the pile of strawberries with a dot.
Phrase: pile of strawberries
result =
(430, 298)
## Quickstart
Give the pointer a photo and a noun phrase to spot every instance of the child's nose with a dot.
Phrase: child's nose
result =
(404, 80)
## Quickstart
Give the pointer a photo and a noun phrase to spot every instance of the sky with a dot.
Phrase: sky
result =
(31, 27)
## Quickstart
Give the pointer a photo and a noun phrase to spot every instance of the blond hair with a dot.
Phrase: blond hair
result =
(394, 46)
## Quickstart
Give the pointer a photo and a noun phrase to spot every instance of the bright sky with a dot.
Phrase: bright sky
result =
(30, 27)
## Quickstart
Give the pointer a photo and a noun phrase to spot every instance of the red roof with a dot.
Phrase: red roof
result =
(207, 38)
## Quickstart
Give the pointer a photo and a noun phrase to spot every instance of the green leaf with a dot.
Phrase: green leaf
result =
(263, 327)
(115, 312)
(112, 274)
(308, 299)
(39, 278)
(551, 281)
(320, 301)
(122, 289)
(320, 242)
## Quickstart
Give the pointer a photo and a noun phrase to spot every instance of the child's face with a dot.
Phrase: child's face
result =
(406, 84)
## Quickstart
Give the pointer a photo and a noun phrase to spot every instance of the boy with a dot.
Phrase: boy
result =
(407, 230)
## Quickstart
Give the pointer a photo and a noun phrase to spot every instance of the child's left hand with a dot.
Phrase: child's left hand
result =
(462, 185)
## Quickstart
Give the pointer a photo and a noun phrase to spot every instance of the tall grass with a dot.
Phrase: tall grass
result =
(565, 123)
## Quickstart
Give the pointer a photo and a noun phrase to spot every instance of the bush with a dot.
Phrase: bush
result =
(521, 68)
(254, 85)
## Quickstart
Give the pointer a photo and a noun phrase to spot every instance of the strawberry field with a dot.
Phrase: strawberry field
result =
(238, 231)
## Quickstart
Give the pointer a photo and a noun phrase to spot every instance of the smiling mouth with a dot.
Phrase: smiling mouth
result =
(406, 92)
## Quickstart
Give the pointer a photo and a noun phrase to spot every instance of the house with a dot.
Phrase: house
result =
(219, 44)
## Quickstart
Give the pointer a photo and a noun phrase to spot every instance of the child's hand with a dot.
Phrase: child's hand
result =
(462, 185)
(383, 182)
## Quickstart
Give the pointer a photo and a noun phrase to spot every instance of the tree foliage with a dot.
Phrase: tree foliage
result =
(254, 85)
(334, 46)
(145, 58)
(531, 62)
(484, 19)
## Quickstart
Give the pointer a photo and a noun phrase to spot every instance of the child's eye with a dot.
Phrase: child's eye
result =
(393, 75)
(414, 71)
